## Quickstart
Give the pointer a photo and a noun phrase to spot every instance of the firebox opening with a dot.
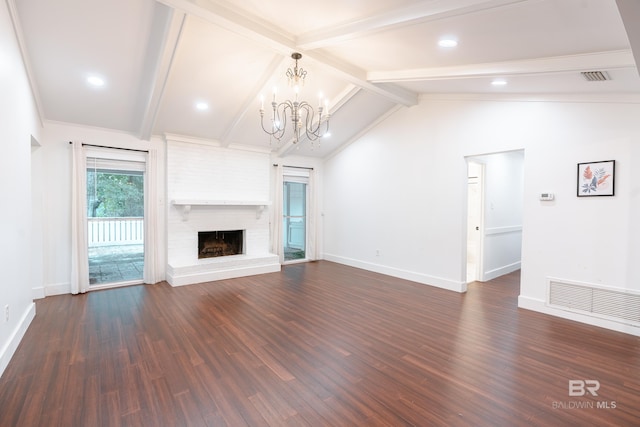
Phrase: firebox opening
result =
(220, 243)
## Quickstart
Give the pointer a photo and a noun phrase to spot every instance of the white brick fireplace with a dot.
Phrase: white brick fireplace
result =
(211, 188)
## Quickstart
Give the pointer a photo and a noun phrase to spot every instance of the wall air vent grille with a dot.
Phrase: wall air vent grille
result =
(595, 76)
(618, 305)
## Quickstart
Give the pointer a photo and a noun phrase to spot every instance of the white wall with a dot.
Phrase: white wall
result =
(400, 189)
(19, 121)
(393, 199)
(54, 178)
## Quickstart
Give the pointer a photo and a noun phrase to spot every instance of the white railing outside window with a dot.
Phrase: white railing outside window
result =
(115, 231)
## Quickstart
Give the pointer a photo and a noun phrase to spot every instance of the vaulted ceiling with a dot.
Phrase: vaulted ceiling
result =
(159, 59)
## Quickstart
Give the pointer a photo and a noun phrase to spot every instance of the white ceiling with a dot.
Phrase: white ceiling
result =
(369, 58)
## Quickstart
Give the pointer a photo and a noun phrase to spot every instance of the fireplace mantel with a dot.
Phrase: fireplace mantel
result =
(186, 205)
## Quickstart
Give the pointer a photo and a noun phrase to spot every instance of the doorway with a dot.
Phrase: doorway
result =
(115, 221)
(495, 199)
(294, 217)
(475, 172)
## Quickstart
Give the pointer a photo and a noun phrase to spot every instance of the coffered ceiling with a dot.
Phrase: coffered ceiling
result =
(160, 59)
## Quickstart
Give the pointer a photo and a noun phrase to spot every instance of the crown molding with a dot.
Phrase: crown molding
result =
(606, 98)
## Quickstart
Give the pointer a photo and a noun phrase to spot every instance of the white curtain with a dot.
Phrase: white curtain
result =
(276, 215)
(79, 256)
(111, 159)
(150, 274)
(312, 245)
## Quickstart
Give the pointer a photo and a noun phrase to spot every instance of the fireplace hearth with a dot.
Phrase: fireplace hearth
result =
(220, 243)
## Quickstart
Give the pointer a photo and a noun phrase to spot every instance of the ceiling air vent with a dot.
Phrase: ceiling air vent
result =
(595, 76)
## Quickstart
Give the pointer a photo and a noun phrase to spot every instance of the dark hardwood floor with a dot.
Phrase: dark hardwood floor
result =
(318, 344)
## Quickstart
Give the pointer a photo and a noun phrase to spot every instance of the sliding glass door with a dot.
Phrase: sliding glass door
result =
(115, 221)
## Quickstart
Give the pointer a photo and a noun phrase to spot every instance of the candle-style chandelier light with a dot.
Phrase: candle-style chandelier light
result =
(306, 122)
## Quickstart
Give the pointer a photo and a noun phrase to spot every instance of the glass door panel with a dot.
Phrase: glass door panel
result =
(294, 221)
(115, 225)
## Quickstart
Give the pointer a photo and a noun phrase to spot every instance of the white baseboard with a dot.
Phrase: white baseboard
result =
(424, 279)
(57, 289)
(38, 293)
(50, 290)
(540, 306)
(501, 271)
(9, 348)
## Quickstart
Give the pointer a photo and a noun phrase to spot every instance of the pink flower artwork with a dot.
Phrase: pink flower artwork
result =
(596, 179)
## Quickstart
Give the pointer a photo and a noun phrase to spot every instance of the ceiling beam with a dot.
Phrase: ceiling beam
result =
(252, 99)
(226, 16)
(424, 11)
(233, 19)
(359, 78)
(560, 64)
(630, 13)
(161, 70)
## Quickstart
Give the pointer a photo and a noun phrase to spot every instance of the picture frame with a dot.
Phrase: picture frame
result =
(596, 178)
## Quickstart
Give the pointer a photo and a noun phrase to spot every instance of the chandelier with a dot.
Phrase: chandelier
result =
(305, 121)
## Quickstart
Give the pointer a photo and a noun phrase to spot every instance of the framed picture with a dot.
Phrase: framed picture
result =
(596, 178)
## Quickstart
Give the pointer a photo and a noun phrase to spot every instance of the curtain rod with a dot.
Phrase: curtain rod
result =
(294, 167)
(113, 148)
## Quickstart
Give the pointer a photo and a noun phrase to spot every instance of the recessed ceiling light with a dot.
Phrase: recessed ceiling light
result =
(202, 106)
(95, 81)
(499, 82)
(448, 42)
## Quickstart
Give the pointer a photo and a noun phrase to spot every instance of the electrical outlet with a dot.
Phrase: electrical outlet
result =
(377, 252)
(6, 313)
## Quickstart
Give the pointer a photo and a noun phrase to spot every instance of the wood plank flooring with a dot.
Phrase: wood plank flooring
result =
(318, 344)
